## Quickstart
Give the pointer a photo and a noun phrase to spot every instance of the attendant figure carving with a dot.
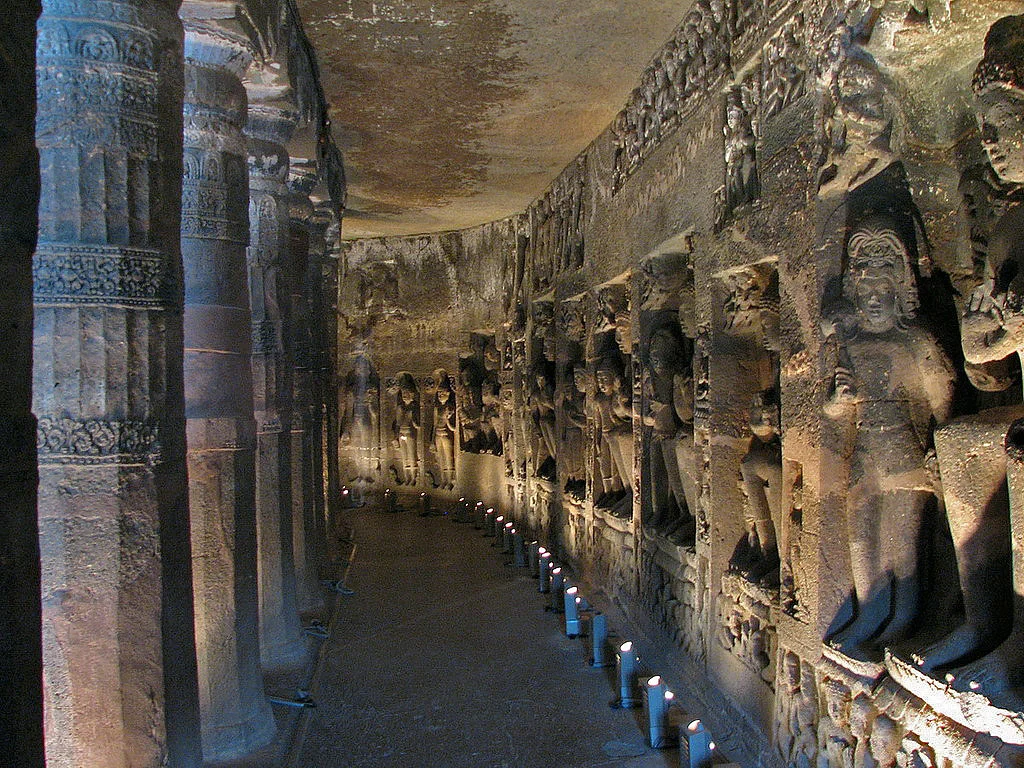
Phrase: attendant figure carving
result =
(613, 413)
(406, 427)
(669, 412)
(757, 554)
(444, 427)
(972, 458)
(892, 382)
(543, 407)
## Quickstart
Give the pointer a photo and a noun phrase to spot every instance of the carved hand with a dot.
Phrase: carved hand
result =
(844, 381)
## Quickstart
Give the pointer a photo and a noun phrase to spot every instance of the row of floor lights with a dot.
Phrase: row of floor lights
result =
(699, 749)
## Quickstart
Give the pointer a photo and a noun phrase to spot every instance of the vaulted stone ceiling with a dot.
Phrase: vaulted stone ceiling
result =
(452, 113)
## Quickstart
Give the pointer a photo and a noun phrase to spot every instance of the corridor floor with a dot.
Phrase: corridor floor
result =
(445, 658)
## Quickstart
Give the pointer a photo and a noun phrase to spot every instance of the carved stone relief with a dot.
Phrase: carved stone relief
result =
(885, 357)
(360, 420)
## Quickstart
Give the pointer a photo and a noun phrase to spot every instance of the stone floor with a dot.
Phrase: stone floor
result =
(444, 657)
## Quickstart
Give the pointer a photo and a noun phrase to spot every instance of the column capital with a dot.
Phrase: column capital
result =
(213, 36)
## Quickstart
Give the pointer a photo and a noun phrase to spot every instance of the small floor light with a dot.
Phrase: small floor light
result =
(598, 641)
(461, 510)
(346, 497)
(479, 515)
(557, 586)
(390, 501)
(532, 556)
(702, 748)
(489, 522)
(424, 505)
(543, 572)
(572, 612)
(518, 549)
(499, 530)
(627, 678)
(659, 698)
(506, 538)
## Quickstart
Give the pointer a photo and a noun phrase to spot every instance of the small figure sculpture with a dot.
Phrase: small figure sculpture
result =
(492, 423)
(613, 413)
(543, 408)
(891, 381)
(835, 740)
(669, 411)
(742, 185)
(856, 119)
(406, 426)
(360, 419)
(884, 742)
(862, 713)
(970, 449)
(444, 427)
(757, 554)
(574, 405)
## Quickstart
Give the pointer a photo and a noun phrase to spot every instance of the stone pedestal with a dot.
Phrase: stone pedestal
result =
(21, 715)
(282, 640)
(118, 636)
(236, 717)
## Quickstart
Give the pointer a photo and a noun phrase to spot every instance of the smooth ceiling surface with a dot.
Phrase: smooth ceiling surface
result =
(457, 112)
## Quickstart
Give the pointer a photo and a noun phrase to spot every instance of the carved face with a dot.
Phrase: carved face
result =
(663, 354)
(605, 381)
(579, 378)
(443, 395)
(837, 703)
(876, 301)
(408, 396)
(1001, 119)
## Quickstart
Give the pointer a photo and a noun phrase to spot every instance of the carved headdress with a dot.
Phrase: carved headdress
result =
(1003, 63)
(876, 247)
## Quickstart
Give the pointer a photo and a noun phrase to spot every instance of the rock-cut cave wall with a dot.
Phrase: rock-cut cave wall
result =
(751, 366)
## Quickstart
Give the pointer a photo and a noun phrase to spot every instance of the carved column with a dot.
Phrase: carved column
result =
(269, 127)
(21, 662)
(305, 238)
(118, 636)
(332, 416)
(321, 279)
(236, 717)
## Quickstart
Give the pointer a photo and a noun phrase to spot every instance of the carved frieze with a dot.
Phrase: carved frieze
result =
(73, 273)
(104, 68)
(96, 441)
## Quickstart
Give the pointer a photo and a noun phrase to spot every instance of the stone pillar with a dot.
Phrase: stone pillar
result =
(332, 416)
(321, 284)
(269, 127)
(236, 717)
(118, 632)
(308, 532)
(21, 660)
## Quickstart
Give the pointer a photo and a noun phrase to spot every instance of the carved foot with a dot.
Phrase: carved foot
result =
(683, 532)
(853, 639)
(963, 641)
(996, 674)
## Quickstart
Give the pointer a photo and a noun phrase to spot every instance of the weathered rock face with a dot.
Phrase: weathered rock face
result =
(724, 361)
(236, 717)
(113, 518)
(21, 716)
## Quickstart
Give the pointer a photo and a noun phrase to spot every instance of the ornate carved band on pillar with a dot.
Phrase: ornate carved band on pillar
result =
(282, 640)
(118, 635)
(21, 662)
(218, 388)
